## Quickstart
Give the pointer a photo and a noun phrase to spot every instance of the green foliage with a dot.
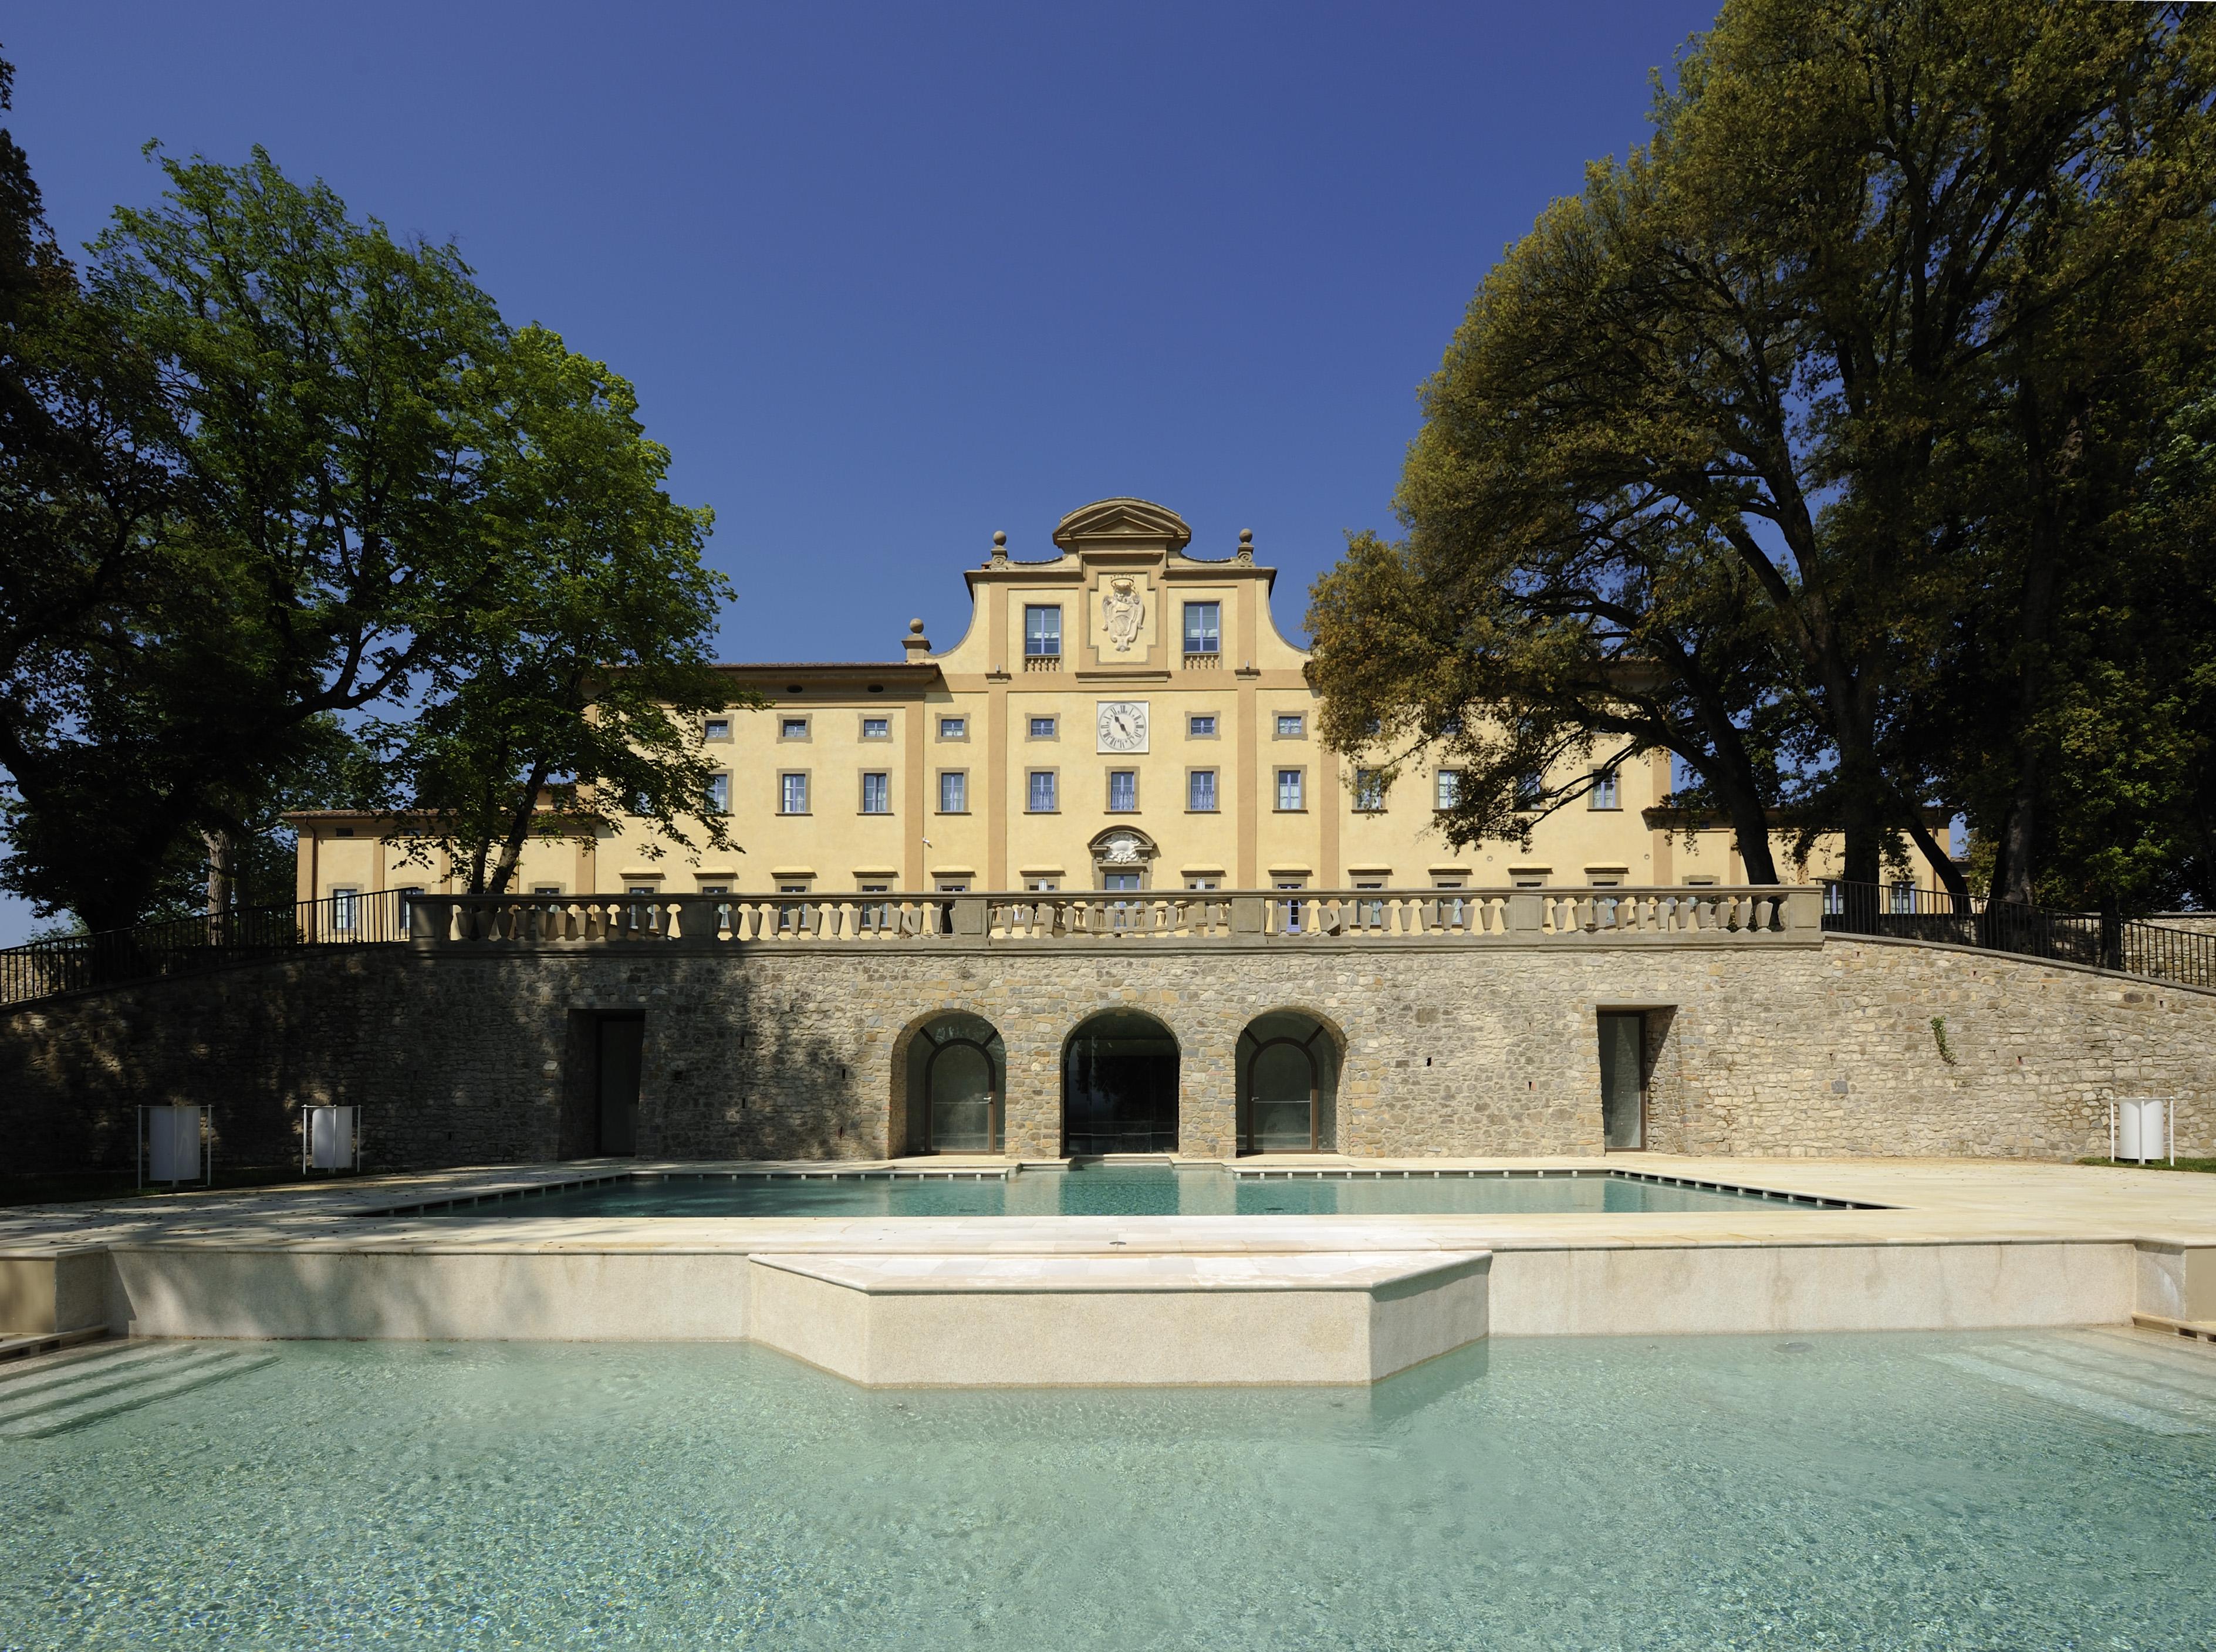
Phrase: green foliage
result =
(1794, 444)
(574, 698)
(274, 480)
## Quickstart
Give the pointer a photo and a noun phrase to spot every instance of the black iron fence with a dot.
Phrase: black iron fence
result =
(150, 952)
(1912, 912)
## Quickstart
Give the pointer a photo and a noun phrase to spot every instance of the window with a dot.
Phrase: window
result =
(1288, 789)
(876, 915)
(792, 728)
(1529, 790)
(1903, 897)
(1528, 880)
(1042, 633)
(1369, 790)
(1451, 728)
(877, 728)
(715, 889)
(638, 889)
(1291, 725)
(719, 794)
(954, 727)
(1039, 798)
(1123, 791)
(718, 728)
(1711, 882)
(407, 892)
(877, 794)
(792, 794)
(1604, 880)
(792, 919)
(346, 906)
(1204, 628)
(546, 889)
(1202, 727)
(1200, 790)
(1372, 912)
(1449, 788)
(1603, 793)
(1043, 885)
(1043, 728)
(1289, 912)
(952, 885)
(1204, 883)
(953, 792)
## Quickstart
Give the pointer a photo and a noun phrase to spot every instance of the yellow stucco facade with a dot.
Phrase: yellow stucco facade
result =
(1124, 709)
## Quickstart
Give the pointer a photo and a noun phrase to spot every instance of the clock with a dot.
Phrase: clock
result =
(1122, 725)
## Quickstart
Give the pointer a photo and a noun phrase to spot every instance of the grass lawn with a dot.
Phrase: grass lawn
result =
(2205, 1165)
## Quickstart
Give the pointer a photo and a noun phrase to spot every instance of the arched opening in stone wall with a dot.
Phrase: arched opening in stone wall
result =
(1288, 1074)
(1119, 1086)
(956, 1089)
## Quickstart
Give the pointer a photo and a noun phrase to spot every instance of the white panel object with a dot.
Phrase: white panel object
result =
(330, 1138)
(2140, 1129)
(173, 1143)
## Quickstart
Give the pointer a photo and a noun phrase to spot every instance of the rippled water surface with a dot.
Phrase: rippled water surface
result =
(1122, 1190)
(1990, 1491)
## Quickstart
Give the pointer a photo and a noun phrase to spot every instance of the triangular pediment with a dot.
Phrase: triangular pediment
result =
(1129, 520)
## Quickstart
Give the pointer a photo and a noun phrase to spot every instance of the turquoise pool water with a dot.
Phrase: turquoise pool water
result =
(1960, 1492)
(1120, 1189)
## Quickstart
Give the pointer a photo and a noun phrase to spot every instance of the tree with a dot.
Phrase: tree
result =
(574, 698)
(1745, 411)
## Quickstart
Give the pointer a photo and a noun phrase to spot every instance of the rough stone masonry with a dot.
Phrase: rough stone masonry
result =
(466, 1055)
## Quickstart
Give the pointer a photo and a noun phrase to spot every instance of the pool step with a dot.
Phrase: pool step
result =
(2121, 1380)
(30, 1345)
(64, 1394)
(2192, 1329)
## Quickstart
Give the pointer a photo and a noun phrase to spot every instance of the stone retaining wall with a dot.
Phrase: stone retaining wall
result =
(463, 1055)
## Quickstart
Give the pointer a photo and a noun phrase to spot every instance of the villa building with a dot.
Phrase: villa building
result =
(1121, 716)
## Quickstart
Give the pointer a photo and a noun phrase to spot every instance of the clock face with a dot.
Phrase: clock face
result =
(1122, 725)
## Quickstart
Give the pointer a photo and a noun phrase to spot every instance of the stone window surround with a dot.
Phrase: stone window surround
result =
(807, 778)
(1108, 792)
(1440, 774)
(785, 719)
(1214, 725)
(1055, 775)
(862, 798)
(939, 791)
(862, 726)
(707, 800)
(1053, 723)
(710, 725)
(1216, 808)
(1278, 725)
(940, 719)
(1360, 794)
(1277, 791)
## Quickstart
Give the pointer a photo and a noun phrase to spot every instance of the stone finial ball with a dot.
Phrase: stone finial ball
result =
(916, 626)
(999, 538)
(1246, 536)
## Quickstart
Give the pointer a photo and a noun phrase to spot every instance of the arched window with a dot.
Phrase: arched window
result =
(957, 1071)
(1288, 1072)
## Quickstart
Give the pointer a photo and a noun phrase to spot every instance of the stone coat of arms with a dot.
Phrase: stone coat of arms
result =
(1122, 613)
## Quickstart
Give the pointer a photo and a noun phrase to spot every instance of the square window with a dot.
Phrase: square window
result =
(1039, 796)
(1200, 790)
(953, 792)
(1603, 794)
(1043, 885)
(877, 794)
(546, 889)
(1123, 791)
(1042, 633)
(952, 886)
(792, 728)
(877, 728)
(715, 889)
(1043, 728)
(1289, 788)
(719, 794)
(792, 794)
(1204, 628)
(638, 889)
(1291, 725)
(1449, 788)
(1204, 883)
(1527, 880)
(1202, 726)
(718, 728)
(954, 727)
(1369, 790)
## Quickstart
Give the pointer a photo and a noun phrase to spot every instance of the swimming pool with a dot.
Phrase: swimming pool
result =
(1124, 1190)
(1965, 1491)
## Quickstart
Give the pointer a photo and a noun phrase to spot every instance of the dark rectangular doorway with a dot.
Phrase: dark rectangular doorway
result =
(617, 1060)
(1624, 1079)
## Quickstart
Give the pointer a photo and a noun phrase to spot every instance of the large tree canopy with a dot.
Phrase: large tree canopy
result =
(276, 481)
(1779, 447)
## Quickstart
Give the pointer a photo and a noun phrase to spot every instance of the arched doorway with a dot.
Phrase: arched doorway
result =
(1119, 1086)
(957, 1086)
(1287, 1073)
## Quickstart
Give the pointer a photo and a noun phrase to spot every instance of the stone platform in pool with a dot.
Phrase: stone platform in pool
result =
(1841, 1245)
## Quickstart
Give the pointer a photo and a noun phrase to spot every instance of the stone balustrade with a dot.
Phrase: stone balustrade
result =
(1750, 915)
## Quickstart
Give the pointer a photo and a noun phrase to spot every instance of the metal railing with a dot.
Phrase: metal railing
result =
(1907, 911)
(152, 951)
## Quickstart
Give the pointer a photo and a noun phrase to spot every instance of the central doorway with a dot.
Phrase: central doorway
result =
(1119, 1086)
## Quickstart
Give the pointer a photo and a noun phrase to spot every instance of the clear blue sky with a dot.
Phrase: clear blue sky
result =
(891, 277)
